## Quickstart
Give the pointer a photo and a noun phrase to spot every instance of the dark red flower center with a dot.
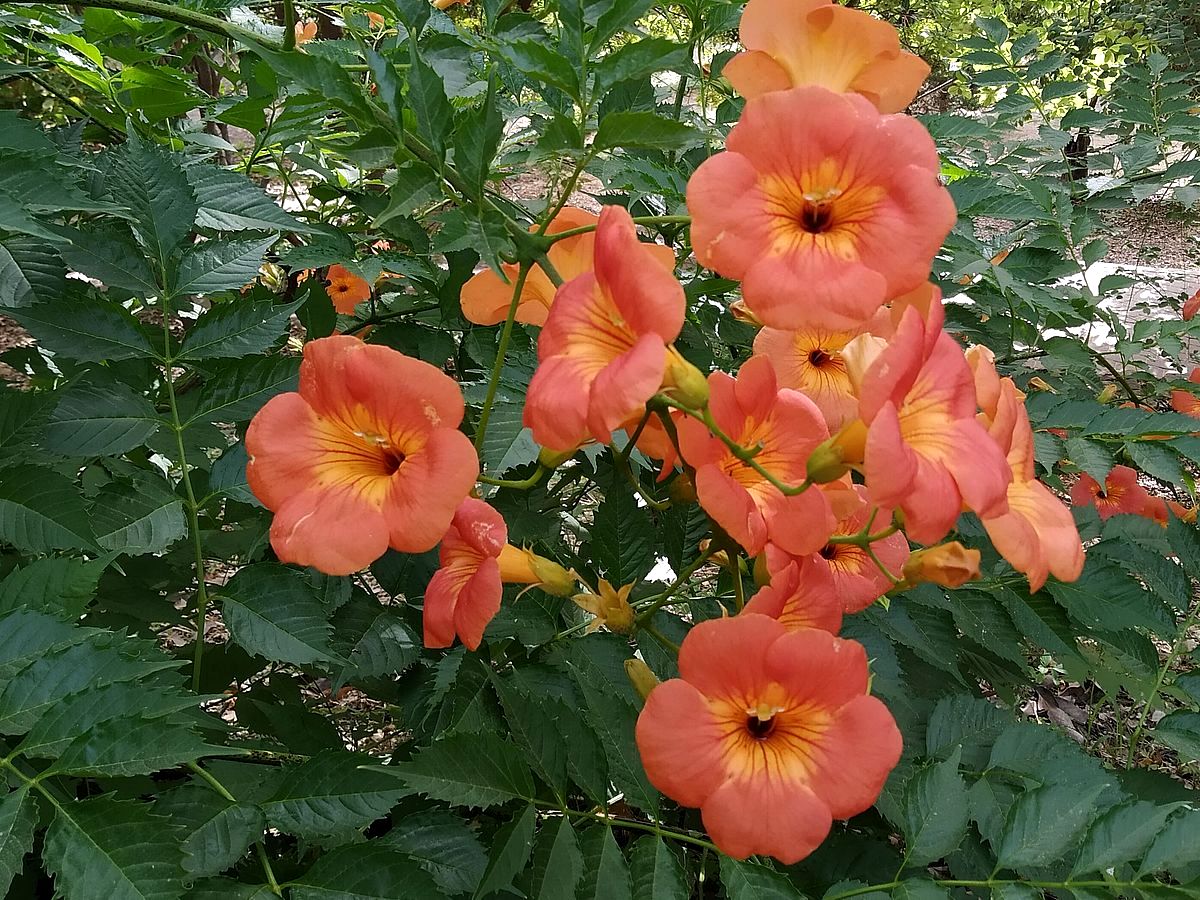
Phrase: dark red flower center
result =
(760, 728)
(392, 460)
(816, 218)
(818, 358)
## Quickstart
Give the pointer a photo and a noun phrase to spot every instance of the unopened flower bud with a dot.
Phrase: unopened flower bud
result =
(640, 676)
(741, 312)
(1040, 384)
(684, 382)
(832, 459)
(272, 277)
(950, 565)
(1108, 394)
(610, 607)
(520, 566)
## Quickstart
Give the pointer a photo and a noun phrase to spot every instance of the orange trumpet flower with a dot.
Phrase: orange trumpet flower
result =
(476, 562)
(1037, 535)
(346, 289)
(784, 426)
(366, 455)
(821, 206)
(604, 351)
(790, 43)
(770, 732)
(925, 453)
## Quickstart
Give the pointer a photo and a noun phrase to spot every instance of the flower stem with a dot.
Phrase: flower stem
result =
(650, 605)
(1176, 648)
(501, 355)
(173, 12)
(260, 850)
(522, 485)
(637, 220)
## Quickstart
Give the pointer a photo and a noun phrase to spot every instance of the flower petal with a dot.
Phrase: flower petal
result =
(679, 741)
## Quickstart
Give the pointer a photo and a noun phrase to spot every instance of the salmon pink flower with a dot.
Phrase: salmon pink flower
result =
(346, 289)
(1185, 401)
(1121, 494)
(1191, 306)
(857, 579)
(925, 452)
(770, 732)
(365, 456)
(1037, 535)
(604, 351)
(801, 593)
(790, 43)
(784, 426)
(476, 561)
(486, 296)
(810, 360)
(821, 206)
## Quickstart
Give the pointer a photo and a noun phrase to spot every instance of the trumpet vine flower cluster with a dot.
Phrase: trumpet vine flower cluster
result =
(858, 427)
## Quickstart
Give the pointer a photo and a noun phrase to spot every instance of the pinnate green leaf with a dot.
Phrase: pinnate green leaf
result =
(1044, 824)
(639, 128)
(469, 770)
(230, 202)
(655, 870)
(237, 329)
(746, 880)
(273, 611)
(331, 795)
(113, 849)
(444, 846)
(370, 871)
(605, 872)
(935, 811)
(40, 510)
(18, 818)
(226, 264)
(100, 417)
(510, 852)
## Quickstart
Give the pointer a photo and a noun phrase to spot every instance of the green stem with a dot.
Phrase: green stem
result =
(522, 485)
(739, 589)
(566, 192)
(637, 220)
(388, 316)
(260, 850)
(862, 538)
(289, 25)
(622, 464)
(743, 454)
(1176, 649)
(685, 837)
(191, 507)
(172, 13)
(650, 605)
(501, 354)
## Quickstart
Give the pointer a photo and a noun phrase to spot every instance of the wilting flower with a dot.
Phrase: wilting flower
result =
(365, 456)
(784, 426)
(486, 296)
(476, 561)
(1037, 535)
(770, 733)
(305, 31)
(1121, 494)
(375, 20)
(1191, 306)
(857, 579)
(604, 350)
(925, 452)
(821, 206)
(801, 593)
(1185, 401)
(610, 607)
(346, 289)
(790, 43)
(810, 360)
(950, 565)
